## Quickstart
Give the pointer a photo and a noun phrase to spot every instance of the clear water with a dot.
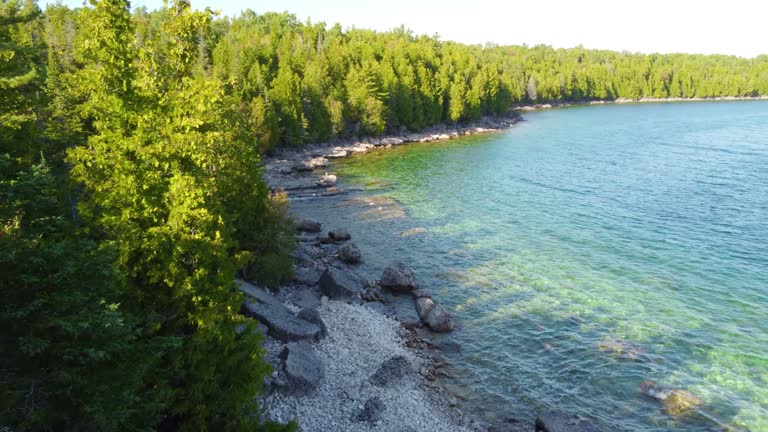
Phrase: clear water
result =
(643, 224)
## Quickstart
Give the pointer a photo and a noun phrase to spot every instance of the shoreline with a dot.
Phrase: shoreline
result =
(305, 174)
(627, 101)
(366, 329)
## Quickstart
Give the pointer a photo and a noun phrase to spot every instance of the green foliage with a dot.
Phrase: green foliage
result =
(321, 83)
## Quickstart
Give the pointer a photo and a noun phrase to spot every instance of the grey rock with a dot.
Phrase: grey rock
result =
(350, 253)
(556, 421)
(398, 277)
(434, 315)
(327, 180)
(283, 325)
(340, 234)
(421, 293)
(302, 368)
(338, 284)
(391, 141)
(257, 293)
(311, 315)
(392, 370)
(337, 154)
(371, 412)
(318, 162)
(308, 225)
(306, 276)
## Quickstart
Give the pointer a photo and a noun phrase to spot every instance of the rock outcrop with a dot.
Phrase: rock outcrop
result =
(308, 225)
(338, 284)
(398, 277)
(434, 315)
(302, 368)
(350, 253)
(339, 234)
(282, 324)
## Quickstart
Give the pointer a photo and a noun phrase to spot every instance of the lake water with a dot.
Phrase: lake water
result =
(585, 251)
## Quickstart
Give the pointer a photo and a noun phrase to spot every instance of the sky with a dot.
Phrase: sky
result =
(736, 27)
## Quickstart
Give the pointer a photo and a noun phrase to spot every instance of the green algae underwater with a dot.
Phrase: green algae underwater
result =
(587, 250)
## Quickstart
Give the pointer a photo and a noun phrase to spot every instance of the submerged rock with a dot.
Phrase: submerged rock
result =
(302, 368)
(390, 371)
(338, 284)
(398, 277)
(434, 315)
(676, 402)
(556, 421)
(308, 225)
(350, 254)
(339, 234)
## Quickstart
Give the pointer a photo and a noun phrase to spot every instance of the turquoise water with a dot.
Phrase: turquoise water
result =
(589, 249)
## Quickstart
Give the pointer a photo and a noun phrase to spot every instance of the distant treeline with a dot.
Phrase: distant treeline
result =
(306, 82)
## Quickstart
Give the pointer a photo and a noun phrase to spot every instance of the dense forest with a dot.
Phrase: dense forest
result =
(131, 191)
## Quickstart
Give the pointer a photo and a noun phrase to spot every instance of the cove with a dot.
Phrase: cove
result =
(587, 250)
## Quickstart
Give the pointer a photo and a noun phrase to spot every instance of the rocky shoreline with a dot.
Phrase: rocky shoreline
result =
(345, 358)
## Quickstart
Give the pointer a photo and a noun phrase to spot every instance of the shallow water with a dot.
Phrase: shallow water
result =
(586, 250)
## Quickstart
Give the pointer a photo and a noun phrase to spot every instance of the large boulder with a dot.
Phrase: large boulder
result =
(371, 411)
(350, 253)
(311, 315)
(339, 234)
(308, 225)
(556, 421)
(302, 368)
(434, 315)
(283, 325)
(392, 370)
(338, 284)
(398, 277)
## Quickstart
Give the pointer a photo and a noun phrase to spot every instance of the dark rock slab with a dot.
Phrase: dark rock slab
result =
(308, 225)
(311, 315)
(434, 315)
(258, 294)
(338, 284)
(283, 325)
(302, 368)
(392, 370)
(350, 253)
(556, 421)
(372, 411)
(421, 293)
(398, 277)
